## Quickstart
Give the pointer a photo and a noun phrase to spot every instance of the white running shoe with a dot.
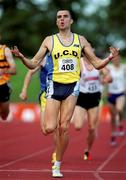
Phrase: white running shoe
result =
(56, 172)
(121, 133)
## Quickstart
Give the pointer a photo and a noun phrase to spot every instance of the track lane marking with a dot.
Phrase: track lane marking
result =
(111, 156)
(26, 157)
(67, 171)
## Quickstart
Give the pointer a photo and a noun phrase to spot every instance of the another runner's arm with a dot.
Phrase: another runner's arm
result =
(94, 60)
(106, 76)
(27, 80)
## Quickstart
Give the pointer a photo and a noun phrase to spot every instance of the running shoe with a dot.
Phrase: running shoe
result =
(121, 132)
(113, 141)
(53, 157)
(87, 156)
(56, 172)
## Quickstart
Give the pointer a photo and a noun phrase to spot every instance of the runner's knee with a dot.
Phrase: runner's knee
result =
(63, 128)
(92, 126)
(48, 129)
(43, 130)
(92, 131)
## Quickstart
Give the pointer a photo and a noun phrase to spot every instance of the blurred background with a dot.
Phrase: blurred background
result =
(25, 23)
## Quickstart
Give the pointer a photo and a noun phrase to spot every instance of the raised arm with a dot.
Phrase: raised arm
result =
(94, 60)
(36, 60)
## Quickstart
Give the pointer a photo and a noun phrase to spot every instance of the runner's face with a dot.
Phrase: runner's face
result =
(64, 20)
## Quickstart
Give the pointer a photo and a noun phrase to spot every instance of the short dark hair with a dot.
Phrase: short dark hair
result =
(70, 12)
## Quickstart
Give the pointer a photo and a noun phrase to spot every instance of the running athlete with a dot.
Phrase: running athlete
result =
(65, 49)
(116, 97)
(88, 101)
(44, 68)
(7, 68)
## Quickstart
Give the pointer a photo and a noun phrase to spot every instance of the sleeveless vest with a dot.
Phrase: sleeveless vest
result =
(3, 65)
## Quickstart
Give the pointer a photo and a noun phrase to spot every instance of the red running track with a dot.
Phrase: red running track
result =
(25, 154)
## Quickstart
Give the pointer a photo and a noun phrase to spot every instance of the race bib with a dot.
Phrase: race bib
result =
(92, 87)
(67, 65)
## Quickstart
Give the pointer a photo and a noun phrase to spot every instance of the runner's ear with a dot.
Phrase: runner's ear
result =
(71, 21)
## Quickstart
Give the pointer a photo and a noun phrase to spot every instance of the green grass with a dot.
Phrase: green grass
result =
(17, 83)
(123, 60)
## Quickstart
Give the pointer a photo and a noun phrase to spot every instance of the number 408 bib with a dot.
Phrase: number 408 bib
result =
(67, 65)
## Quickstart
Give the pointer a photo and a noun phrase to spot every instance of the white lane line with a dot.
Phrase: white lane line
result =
(97, 176)
(99, 170)
(26, 157)
(65, 170)
(110, 157)
(35, 153)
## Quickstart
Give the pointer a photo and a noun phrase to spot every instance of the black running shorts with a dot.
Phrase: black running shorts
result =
(5, 92)
(88, 100)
